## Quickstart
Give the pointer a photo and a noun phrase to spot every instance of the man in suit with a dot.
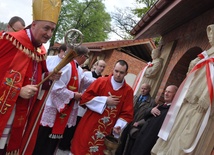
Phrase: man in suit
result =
(143, 105)
(148, 134)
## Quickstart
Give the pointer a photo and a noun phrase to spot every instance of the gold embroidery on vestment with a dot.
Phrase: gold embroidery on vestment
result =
(11, 92)
(100, 132)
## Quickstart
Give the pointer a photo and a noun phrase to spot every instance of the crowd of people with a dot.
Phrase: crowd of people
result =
(73, 110)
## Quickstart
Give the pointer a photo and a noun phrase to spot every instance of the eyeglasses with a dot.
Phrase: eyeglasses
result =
(13, 28)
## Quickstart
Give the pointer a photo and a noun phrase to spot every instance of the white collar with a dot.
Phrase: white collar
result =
(116, 85)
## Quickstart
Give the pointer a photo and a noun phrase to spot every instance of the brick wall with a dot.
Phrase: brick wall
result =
(135, 65)
(189, 40)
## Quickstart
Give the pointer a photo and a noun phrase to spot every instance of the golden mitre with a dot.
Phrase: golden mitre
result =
(47, 10)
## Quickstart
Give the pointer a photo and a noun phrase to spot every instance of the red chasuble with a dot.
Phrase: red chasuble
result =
(93, 127)
(18, 60)
(31, 130)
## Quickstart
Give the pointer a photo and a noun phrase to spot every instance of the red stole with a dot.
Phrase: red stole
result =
(63, 116)
(13, 78)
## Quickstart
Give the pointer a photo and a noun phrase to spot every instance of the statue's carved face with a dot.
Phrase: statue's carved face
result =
(155, 54)
(210, 34)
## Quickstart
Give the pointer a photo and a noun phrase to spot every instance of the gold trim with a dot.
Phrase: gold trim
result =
(15, 152)
(28, 52)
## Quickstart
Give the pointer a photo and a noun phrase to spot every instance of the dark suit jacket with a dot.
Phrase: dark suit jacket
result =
(142, 109)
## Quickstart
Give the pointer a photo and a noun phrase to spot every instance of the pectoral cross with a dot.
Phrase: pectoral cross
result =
(32, 80)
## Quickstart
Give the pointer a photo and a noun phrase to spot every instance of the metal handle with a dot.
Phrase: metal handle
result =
(73, 38)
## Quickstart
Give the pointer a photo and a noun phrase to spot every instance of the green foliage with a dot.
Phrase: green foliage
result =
(3, 26)
(141, 11)
(88, 16)
(157, 40)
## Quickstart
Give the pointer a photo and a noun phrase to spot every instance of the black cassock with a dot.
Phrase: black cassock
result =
(148, 135)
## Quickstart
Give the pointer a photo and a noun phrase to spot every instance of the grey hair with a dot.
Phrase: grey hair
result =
(81, 50)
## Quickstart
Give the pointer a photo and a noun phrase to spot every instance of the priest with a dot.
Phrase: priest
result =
(110, 107)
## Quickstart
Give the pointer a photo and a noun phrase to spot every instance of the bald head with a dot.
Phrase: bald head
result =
(145, 89)
(169, 93)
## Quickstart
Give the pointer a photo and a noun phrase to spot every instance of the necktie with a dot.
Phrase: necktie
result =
(140, 98)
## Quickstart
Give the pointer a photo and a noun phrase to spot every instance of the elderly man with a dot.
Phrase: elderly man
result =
(22, 62)
(148, 134)
(143, 105)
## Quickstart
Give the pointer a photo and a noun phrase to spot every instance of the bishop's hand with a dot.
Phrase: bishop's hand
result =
(28, 91)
